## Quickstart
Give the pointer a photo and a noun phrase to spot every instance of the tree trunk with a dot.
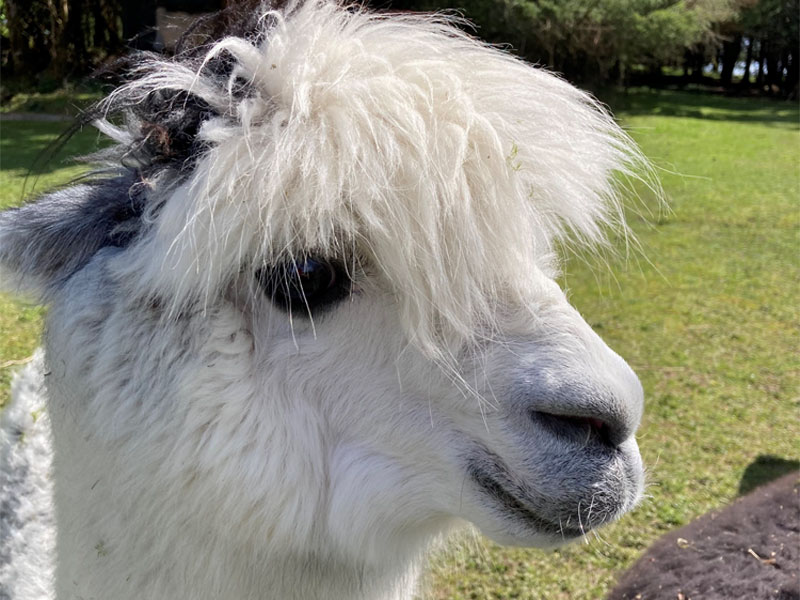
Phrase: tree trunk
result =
(790, 87)
(730, 54)
(139, 23)
(70, 46)
(26, 39)
(745, 83)
(16, 37)
(761, 61)
(774, 76)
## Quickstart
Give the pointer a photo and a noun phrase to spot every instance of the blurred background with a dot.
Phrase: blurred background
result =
(706, 311)
(744, 45)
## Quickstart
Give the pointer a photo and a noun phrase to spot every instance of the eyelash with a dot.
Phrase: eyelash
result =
(306, 285)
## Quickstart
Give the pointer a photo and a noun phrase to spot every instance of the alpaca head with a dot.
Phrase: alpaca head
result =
(315, 285)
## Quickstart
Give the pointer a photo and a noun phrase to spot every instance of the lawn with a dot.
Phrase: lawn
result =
(65, 102)
(26, 168)
(706, 314)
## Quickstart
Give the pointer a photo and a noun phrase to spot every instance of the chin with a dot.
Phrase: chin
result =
(527, 505)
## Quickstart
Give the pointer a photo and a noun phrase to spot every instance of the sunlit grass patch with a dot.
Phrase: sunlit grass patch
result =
(26, 169)
(65, 102)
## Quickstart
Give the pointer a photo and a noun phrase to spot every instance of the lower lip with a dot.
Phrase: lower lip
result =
(518, 509)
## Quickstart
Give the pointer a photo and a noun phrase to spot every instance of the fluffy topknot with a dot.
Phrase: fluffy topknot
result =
(451, 167)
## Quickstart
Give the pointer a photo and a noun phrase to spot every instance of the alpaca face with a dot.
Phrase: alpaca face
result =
(532, 440)
(326, 424)
(535, 445)
(317, 296)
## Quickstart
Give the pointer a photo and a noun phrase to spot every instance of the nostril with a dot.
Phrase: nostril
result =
(575, 428)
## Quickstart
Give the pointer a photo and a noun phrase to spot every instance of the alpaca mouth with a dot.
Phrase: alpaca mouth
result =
(515, 506)
(611, 484)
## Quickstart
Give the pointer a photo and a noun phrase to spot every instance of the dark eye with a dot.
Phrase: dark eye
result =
(305, 285)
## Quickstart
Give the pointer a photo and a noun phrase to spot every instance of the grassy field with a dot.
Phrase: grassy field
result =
(707, 316)
(63, 102)
(25, 170)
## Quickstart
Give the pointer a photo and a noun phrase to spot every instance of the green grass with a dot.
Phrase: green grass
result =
(63, 101)
(24, 169)
(708, 319)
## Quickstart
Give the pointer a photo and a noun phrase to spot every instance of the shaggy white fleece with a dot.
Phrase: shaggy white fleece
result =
(27, 527)
(213, 441)
(349, 111)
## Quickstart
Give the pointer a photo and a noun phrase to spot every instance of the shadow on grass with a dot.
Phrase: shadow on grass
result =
(704, 105)
(28, 146)
(764, 469)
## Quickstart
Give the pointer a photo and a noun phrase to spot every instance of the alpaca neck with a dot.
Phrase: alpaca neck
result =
(242, 574)
(311, 577)
(225, 572)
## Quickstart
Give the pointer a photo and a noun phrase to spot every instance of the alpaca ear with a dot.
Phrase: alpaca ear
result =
(44, 242)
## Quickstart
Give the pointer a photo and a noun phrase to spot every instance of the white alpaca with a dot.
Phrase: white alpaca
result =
(306, 322)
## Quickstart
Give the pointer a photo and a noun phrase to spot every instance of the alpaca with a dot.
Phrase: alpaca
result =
(749, 549)
(303, 322)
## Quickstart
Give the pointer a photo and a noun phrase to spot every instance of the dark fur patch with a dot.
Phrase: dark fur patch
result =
(751, 549)
(170, 119)
(167, 137)
(58, 234)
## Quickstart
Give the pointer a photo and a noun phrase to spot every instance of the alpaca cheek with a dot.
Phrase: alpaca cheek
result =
(374, 499)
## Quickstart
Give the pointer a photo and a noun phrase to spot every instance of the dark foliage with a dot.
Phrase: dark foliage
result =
(597, 43)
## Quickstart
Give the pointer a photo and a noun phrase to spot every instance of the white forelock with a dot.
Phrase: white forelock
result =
(449, 166)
